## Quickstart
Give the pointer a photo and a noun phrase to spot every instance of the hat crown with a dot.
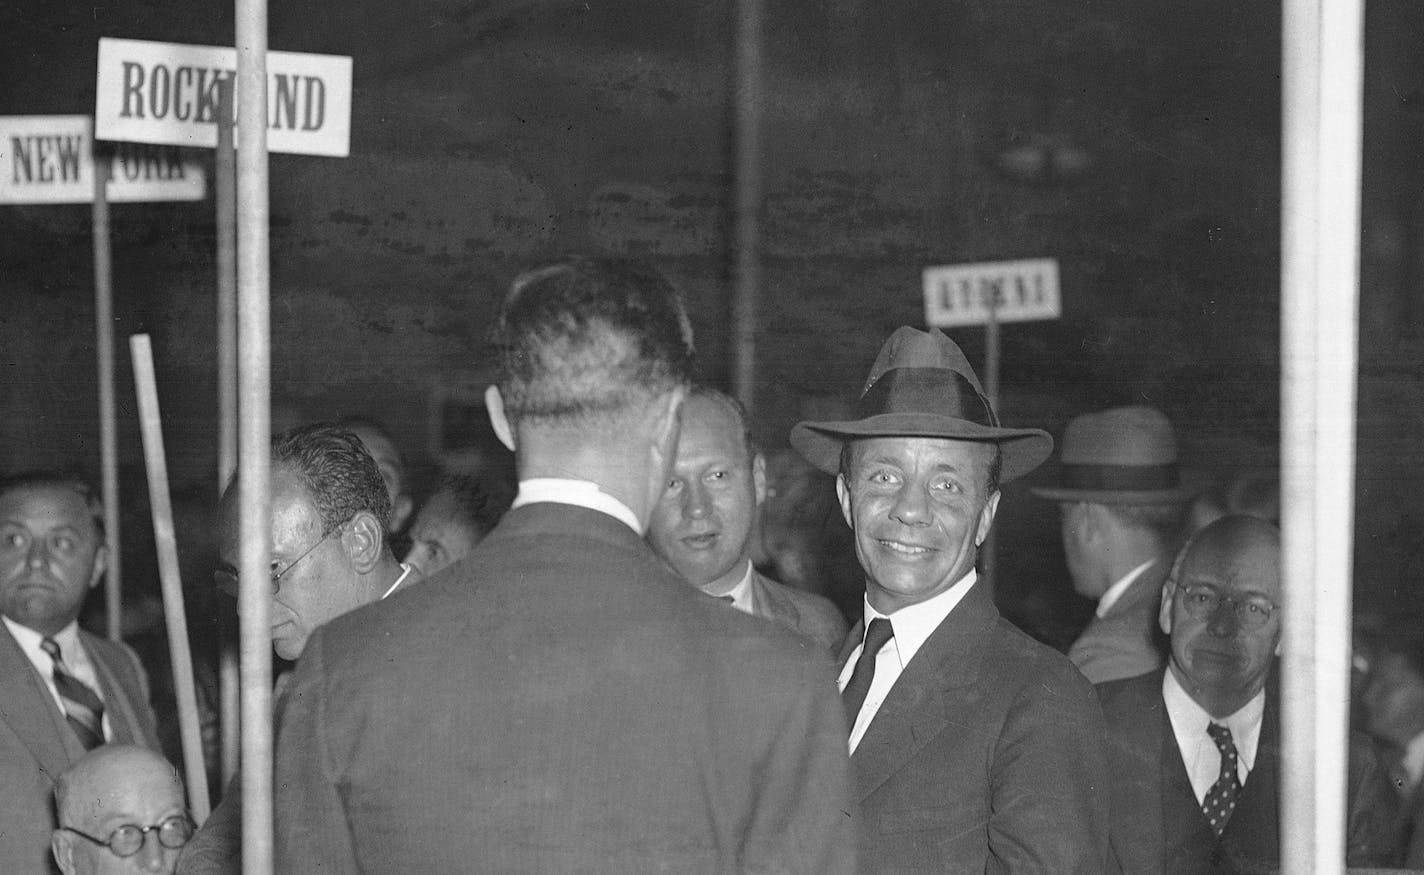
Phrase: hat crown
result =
(911, 348)
(1125, 436)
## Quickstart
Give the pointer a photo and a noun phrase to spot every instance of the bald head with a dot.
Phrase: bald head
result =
(109, 787)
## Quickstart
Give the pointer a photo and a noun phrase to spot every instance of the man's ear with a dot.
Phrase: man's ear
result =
(1164, 610)
(986, 518)
(61, 844)
(759, 477)
(843, 493)
(494, 406)
(363, 540)
(101, 562)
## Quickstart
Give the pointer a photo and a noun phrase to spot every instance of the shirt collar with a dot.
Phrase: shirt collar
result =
(1413, 760)
(1190, 719)
(742, 593)
(913, 624)
(1117, 589)
(580, 493)
(405, 572)
(29, 640)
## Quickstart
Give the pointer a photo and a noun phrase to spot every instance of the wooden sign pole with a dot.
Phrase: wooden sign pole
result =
(108, 418)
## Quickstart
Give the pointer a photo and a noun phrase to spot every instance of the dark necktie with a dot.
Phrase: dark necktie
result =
(82, 707)
(1221, 798)
(853, 695)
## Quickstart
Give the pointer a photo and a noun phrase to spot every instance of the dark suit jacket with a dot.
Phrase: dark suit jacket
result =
(1158, 825)
(37, 744)
(988, 755)
(812, 615)
(1127, 641)
(560, 702)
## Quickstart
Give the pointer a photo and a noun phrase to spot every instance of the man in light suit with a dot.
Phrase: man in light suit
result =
(1122, 504)
(1195, 748)
(62, 690)
(702, 526)
(975, 748)
(559, 700)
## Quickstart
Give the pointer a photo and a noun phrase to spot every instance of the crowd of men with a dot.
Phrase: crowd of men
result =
(600, 680)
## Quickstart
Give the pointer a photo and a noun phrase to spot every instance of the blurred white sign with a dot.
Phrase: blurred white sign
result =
(49, 159)
(152, 92)
(1019, 291)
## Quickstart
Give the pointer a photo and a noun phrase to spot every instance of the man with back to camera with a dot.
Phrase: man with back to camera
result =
(63, 691)
(702, 525)
(1122, 504)
(975, 748)
(1195, 748)
(329, 556)
(561, 701)
(120, 811)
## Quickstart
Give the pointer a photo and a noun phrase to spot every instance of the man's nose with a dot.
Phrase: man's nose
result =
(150, 857)
(1224, 621)
(697, 503)
(912, 506)
(38, 553)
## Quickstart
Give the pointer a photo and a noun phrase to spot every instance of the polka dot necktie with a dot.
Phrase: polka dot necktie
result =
(82, 706)
(1221, 798)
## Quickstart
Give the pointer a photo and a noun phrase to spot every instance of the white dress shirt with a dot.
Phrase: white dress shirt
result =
(1115, 591)
(76, 661)
(1413, 763)
(740, 593)
(912, 625)
(580, 493)
(1199, 753)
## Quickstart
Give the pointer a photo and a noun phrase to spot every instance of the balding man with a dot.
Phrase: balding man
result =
(560, 701)
(120, 811)
(702, 525)
(62, 690)
(1195, 748)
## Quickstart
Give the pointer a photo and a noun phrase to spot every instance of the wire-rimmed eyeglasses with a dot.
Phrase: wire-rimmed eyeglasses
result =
(226, 579)
(1201, 602)
(125, 841)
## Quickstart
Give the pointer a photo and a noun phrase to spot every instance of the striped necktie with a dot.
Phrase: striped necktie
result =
(82, 707)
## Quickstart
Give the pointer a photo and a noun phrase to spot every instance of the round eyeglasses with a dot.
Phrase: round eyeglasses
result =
(226, 579)
(1201, 602)
(173, 833)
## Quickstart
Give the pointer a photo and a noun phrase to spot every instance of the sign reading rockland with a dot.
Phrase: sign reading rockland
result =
(152, 92)
(49, 159)
(1017, 291)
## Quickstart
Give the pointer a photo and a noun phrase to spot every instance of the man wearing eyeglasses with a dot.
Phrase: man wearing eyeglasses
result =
(1195, 747)
(63, 691)
(120, 811)
(330, 515)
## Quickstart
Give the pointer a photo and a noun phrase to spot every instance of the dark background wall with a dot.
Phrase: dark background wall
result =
(489, 135)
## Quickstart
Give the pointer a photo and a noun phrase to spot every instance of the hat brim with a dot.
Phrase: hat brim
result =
(1022, 449)
(1178, 495)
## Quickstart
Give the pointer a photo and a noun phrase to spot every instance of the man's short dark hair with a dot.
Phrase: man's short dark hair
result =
(585, 340)
(337, 472)
(737, 409)
(55, 479)
(991, 480)
(474, 507)
(1164, 521)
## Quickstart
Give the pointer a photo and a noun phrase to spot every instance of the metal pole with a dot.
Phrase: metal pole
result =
(747, 136)
(166, 542)
(987, 552)
(254, 426)
(1323, 52)
(225, 168)
(108, 418)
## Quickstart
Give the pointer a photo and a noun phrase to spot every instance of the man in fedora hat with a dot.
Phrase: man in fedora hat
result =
(975, 747)
(1121, 502)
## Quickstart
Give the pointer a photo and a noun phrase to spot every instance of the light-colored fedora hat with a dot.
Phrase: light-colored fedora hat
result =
(922, 386)
(1123, 455)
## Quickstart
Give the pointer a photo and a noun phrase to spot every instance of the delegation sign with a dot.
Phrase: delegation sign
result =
(1016, 291)
(150, 92)
(49, 159)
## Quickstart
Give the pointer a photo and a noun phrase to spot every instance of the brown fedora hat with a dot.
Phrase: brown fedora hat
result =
(1124, 455)
(922, 386)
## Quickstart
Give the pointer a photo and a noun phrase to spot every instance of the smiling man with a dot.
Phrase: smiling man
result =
(62, 690)
(1195, 748)
(702, 525)
(975, 748)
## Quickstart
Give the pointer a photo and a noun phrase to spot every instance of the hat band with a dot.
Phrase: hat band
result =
(933, 391)
(1121, 478)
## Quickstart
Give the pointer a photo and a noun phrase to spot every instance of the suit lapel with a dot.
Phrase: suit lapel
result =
(1147, 587)
(122, 720)
(929, 689)
(30, 711)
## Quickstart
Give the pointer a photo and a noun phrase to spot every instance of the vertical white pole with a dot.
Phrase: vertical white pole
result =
(108, 417)
(988, 551)
(747, 98)
(254, 425)
(225, 169)
(1323, 52)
